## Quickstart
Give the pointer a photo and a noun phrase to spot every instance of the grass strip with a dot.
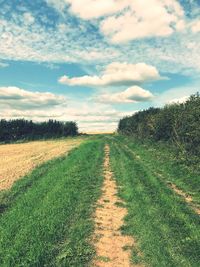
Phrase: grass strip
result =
(161, 159)
(165, 228)
(50, 223)
(9, 197)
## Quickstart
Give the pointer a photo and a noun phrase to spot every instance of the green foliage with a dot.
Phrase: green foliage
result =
(176, 123)
(47, 221)
(21, 129)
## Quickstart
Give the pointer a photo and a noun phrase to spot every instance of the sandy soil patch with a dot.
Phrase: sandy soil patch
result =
(16, 160)
(186, 197)
(112, 248)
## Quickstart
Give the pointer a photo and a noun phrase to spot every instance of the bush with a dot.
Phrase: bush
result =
(176, 123)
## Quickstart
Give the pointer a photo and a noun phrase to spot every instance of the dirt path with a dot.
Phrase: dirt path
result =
(110, 244)
(186, 197)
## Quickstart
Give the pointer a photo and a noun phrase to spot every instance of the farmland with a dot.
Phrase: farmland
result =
(100, 133)
(18, 159)
(48, 218)
(97, 207)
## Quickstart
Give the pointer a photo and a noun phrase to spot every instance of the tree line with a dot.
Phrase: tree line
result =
(177, 123)
(21, 129)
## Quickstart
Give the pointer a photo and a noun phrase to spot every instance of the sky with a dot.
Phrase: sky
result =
(96, 61)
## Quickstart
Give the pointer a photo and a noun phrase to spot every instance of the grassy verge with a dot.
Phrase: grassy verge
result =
(9, 197)
(165, 228)
(161, 159)
(42, 139)
(50, 224)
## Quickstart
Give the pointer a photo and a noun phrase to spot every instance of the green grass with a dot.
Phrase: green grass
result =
(161, 158)
(165, 228)
(47, 218)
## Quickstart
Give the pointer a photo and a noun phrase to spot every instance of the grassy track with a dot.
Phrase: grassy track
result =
(161, 160)
(165, 227)
(48, 217)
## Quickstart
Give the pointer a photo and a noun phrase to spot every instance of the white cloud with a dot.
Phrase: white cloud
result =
(21, 40)
(144, 19)
(82, 43)
(17, 103)
(181, 25)
(195, 26)
(177, 94)
(28, 18)
(23, 37)
(95, 118)
(133, 94)
(90, 9)
(180, 100)
(191, 45)
(99, 127)
(19, 99)
(124, 20)
(116, 74)
(3, 65)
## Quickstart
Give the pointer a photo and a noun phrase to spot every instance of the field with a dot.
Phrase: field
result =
(18, 159)
(112, 201)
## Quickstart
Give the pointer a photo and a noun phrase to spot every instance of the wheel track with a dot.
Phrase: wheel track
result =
(112, 248)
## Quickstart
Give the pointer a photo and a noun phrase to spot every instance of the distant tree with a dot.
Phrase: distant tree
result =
(20, 129)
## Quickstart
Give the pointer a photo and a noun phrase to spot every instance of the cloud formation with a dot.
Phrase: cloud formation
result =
(28, 18)
(195, 26)
(140, 20)
(3, 65)
(180, 100)
(18, 103)
(94, 33)
(19, 99)
(92, 9)
(30, 35)
(132, 94)
(125, 20)
(176, 94)
(116, 74)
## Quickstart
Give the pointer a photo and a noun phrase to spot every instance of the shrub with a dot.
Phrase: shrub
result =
(176, 123)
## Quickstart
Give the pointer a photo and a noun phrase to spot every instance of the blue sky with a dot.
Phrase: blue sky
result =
(96, 61)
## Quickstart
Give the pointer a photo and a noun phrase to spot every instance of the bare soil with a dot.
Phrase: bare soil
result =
(112, 248)
(186, 197)
(16, 160)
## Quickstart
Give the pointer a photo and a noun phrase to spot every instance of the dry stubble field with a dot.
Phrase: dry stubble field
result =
(16, 160)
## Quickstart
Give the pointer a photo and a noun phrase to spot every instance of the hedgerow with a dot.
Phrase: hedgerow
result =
(176, 123)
